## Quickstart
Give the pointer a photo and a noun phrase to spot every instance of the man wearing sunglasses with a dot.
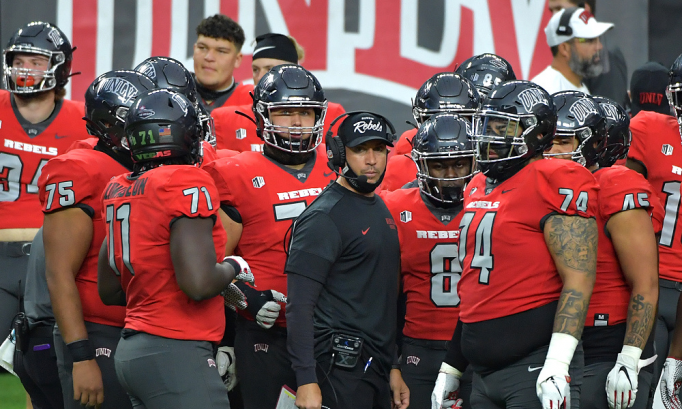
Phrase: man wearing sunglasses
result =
(573, 34)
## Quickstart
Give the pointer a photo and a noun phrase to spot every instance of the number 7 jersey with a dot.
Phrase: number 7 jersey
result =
(506, 265)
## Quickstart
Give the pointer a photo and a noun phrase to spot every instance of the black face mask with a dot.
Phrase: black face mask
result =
(286, 158)
(360, 183)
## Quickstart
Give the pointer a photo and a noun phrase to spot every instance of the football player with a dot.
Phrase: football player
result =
(236, 125)
(217, 53)
(70, 190)
(162, 258)
(622, 308)
(537, 306)
(171, 74)
(37, 124)
(656, 153)
(427, 213)
(261, 193)
(444, 92)
(486, 71)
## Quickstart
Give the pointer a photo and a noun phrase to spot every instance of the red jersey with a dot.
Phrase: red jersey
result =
(400, 171)
(139, 213)
(23, 156)
(88, 143)
(77, 179)
(268, 199)
(240, 96)
(430, 269)
(656, 144)
(620, 189)
(236, 132)
(506, 266)
(404, 144)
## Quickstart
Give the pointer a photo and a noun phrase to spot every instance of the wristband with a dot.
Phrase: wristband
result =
(81, 350)
(633, 352)
(237, 268)
(561, 348)
(450, 370)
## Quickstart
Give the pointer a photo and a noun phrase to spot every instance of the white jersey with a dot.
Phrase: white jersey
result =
(554, 81)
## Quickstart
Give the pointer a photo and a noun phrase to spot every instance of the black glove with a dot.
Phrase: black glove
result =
(263, 305)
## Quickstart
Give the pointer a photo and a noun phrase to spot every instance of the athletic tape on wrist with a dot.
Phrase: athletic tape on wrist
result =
(81, 350)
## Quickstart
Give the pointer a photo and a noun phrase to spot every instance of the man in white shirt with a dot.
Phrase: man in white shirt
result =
(573, 36)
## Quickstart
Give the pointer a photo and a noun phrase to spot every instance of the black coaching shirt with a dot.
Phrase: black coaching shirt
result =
(349, 243)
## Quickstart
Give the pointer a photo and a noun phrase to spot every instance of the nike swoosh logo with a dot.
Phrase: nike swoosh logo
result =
(257, 50)
(506, 191)
(534, 369)
(327, 174)
(60, 137)
(365, 231)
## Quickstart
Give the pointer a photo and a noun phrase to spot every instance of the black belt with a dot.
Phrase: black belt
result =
(43, 331)
(15, 248)
(427, 343)
(662, 282)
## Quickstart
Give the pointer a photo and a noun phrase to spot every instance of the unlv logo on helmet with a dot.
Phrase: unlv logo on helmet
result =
(149, 71)
(125, 90)
(531, 97)
(610, 110)
(581, 109)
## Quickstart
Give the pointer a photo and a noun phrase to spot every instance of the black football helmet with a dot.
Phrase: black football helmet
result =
(486, 71)
(674, 90)
(441, 137)
(107, 101)
(171, 74)
(515, 123)
(37, 38)
(580, 117)
(163, 124)
(617, 130)
(445, 92)
(289, 86)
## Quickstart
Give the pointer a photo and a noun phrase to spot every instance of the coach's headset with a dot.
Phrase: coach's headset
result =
(564, 28)
(336, 151)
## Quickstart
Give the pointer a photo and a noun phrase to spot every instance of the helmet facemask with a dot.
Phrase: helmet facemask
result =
(501, 141)
(27, 80)
(291, 139)
(442, 189)
(674, 94)
(585, 154)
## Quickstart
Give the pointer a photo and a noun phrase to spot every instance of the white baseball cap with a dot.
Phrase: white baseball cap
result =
(578, 23)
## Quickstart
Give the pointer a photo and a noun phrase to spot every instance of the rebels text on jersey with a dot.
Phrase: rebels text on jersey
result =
(77, 179)
(656, 144)
(139, 213)
(22, 157)
(506, 266)
(430, 269)
(620, 189)
(268, 198)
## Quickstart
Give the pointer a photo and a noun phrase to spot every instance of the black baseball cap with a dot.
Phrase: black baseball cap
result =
(362, 127)
(647, 89)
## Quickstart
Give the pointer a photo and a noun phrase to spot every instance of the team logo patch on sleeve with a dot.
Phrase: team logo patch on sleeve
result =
(405, 216)
(241, 133)
(258, 182)
(667, 150)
